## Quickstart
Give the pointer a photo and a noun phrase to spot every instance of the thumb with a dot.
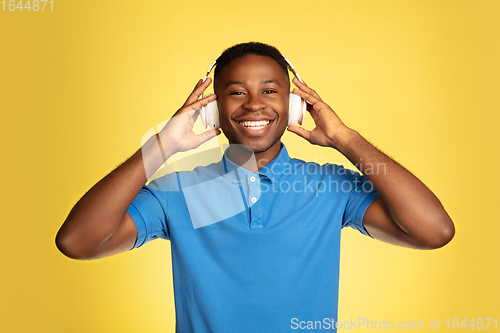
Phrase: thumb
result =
(207, 135)
(300, 131)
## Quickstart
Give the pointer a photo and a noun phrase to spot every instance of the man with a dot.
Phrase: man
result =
(265, 258)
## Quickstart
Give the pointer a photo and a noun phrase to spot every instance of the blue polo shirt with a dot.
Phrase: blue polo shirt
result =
(254, 252)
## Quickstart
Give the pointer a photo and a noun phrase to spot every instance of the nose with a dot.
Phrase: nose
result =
(254, 102)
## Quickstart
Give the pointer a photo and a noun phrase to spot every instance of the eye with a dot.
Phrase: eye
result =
(270, 91)
(237, 93)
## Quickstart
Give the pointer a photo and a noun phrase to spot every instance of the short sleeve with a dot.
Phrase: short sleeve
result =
(148, 210)
(359, 194)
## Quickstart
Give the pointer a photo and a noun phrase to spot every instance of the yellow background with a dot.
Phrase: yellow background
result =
(79, 86)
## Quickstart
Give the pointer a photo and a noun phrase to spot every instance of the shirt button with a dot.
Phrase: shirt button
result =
(252, 179)
(254, 199)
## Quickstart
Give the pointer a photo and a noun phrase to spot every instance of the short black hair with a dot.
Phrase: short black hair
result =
(243, 49)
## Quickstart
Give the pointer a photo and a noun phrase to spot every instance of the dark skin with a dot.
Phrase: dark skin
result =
(99, 225)
(255, 88)
(407, 213)
(252, 88)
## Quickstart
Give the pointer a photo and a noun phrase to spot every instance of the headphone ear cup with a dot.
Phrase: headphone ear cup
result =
(211, 112)
(203, 116)
(304, 109)
(215, 115)
(296, 110)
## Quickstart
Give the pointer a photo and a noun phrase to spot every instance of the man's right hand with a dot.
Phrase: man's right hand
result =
(99, 225)
(178, 135)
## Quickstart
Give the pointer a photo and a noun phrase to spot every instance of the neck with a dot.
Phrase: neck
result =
(245, 157)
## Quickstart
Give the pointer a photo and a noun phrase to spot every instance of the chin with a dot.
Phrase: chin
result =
(261, 149)
(258, 147)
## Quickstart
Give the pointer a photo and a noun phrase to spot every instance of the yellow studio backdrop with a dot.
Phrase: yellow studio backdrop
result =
(80, 85)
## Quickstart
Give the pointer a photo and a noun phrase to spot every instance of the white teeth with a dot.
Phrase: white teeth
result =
(255, 125)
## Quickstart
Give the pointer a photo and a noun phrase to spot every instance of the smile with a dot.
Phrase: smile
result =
(255, 125)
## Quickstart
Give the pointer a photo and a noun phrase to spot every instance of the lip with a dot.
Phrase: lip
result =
(253, 119)
(252, 132)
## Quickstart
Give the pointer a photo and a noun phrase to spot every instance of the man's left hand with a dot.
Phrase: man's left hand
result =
(330, 130)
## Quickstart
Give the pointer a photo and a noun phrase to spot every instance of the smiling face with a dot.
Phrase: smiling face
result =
(252, 94)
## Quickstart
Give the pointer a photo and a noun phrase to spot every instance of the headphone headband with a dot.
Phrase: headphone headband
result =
(286, 60)
(293, 69)
(210, 68)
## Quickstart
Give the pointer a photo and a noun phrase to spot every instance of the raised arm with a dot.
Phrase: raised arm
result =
(407, 213)
(98, 225)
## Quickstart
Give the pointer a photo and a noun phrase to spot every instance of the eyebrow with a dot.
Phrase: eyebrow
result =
(230, 83)
(271, 81)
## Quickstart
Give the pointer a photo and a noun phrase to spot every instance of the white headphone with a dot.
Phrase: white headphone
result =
(209, 114)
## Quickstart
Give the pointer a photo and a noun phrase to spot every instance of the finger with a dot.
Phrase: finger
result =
(192, 109)
(300, 131)
(311, 99)
(304, 87)
(198, 91)
(200, 102)
(311, 91)
(207, 135)
(198, 84)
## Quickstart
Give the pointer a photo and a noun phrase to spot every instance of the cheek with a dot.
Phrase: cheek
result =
(282, 108)
(226, 107)
(222, 108)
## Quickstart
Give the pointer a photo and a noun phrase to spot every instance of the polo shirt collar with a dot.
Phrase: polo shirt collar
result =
(236, 174)
(277, 166)
(232, 172)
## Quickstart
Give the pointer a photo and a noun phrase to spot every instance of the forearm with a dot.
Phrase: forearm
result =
(412, 206)
(98, 214)
(409, 213)
(98, 225)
